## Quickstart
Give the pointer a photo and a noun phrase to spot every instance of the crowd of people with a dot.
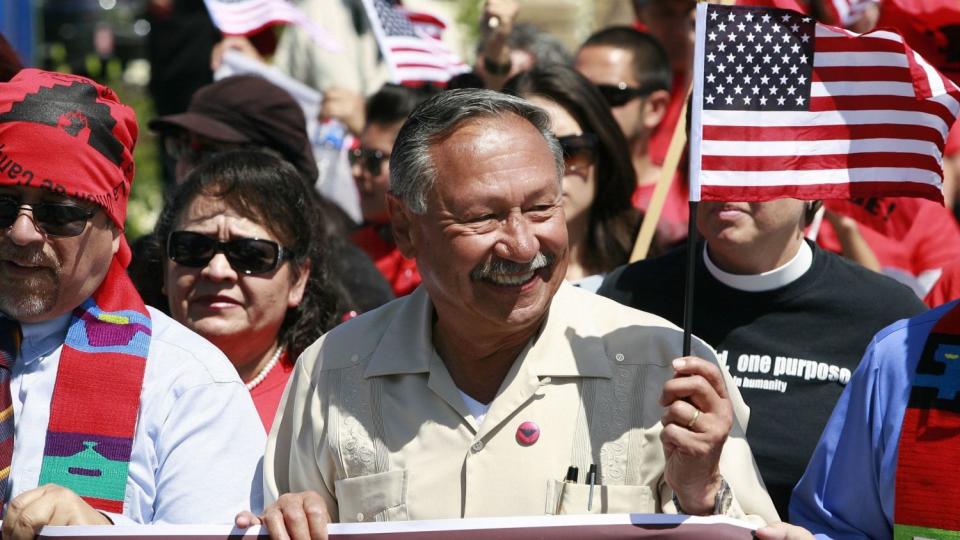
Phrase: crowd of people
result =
(262, 358)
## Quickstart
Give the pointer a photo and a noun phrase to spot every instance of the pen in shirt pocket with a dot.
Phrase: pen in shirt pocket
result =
(572, 474)
(592, 480)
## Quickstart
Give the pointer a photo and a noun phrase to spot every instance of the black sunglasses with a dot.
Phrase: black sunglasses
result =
(368, 158)
(54, 219)
(579, 151)
(620, 94)
(247, 255)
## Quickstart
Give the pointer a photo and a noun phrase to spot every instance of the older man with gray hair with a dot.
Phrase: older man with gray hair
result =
(475, 395)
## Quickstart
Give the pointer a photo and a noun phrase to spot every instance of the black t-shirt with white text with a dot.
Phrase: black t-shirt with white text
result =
(790, 351)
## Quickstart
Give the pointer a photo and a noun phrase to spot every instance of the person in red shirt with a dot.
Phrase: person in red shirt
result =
(633, 73)
(385, 112)
(916, 259)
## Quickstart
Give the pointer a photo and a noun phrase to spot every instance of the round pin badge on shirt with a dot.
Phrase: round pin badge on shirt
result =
(528, 433)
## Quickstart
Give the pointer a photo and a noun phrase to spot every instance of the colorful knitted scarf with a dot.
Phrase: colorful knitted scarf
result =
(72, 136)
(928, 467)
(96, 398)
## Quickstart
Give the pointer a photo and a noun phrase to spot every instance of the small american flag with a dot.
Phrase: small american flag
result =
(410, 43)
(245, 17)
(787, 107)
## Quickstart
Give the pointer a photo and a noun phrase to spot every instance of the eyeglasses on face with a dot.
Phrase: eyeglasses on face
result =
(579, 151)
(245, 255)
(54, 219)
(617, 95)
(371, 160)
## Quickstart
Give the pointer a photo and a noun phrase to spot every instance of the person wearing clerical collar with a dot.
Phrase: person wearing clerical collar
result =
(788, 319)
(374, 425)
(116, 412)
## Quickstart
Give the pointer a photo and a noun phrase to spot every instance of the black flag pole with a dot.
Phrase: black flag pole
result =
(691, 272)
(694, 108)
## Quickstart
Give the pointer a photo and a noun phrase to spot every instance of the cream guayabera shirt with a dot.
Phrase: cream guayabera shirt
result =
(372, 420)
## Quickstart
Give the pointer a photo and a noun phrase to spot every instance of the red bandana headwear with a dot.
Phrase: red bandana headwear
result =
(70, 135)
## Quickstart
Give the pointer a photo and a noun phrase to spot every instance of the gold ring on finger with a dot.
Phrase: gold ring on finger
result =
(693, 421)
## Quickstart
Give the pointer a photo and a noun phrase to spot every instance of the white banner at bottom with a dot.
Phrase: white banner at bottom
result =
(607, 526)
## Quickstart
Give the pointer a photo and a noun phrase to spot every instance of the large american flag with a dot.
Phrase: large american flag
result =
(410, 44)
(245, 17)
(787, 107)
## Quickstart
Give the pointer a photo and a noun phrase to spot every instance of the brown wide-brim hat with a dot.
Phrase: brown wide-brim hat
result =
(247, 109)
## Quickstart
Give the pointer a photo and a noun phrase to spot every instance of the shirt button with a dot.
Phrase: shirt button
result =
(477, 446)
(354, 359)
(360, 516)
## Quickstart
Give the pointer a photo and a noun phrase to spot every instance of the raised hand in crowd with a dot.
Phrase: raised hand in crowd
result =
(497, 21)
(854, 246)
(236, 43)
(696, 422)
(498, 17)
(346, 106)
(294, 516)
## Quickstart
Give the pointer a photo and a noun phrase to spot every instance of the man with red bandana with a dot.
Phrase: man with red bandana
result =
(118, 413)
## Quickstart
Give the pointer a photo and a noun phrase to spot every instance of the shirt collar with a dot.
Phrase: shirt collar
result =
(563, 348)
(42, 338)
(766, 281)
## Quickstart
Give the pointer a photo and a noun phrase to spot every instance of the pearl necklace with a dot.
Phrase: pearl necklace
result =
(266, 370)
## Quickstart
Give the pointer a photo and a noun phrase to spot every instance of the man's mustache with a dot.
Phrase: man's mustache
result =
(27, 256)
(503, 266)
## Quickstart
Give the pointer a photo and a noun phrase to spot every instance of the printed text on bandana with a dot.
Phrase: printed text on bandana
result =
(24, 176)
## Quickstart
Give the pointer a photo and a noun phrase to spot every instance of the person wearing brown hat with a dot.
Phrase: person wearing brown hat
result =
(236, 112)
(247, 111)
(110, 411)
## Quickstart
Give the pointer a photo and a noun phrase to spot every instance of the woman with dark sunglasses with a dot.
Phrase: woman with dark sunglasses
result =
(599, 179)
(244, 266)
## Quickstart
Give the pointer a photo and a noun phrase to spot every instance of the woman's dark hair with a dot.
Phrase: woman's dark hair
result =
(271, 192)
(613, 221)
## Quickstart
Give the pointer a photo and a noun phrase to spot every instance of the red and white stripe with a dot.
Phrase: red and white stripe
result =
(246, 17)
(423, 59)
(876, 126)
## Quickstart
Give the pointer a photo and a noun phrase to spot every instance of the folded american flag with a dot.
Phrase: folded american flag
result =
(410, 44)
(245, 17)
(787, 107)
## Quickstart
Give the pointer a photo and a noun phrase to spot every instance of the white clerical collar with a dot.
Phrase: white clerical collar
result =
(766, 281)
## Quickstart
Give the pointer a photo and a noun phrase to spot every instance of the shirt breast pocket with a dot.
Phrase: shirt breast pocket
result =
(375, 497)
(614, 499)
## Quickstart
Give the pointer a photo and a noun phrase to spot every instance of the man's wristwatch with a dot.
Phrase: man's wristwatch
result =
(721, 503)
(495, 68)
